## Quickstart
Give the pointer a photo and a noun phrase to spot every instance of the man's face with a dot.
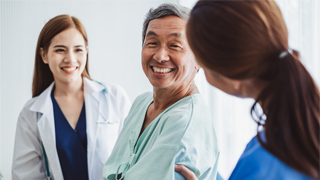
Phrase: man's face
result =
(167, 59)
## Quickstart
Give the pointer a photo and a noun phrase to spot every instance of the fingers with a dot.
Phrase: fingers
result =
(186, 173)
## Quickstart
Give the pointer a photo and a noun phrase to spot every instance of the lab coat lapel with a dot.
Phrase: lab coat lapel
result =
(43, 107)
(94, 100)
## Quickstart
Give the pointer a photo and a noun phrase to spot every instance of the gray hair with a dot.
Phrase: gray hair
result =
(162, 11)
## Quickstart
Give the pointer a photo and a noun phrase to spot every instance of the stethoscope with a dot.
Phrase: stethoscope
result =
(46, 162)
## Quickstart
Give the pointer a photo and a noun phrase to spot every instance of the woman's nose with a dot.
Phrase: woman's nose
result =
(70, 57)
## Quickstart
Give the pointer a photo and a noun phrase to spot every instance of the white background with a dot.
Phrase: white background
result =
(114, 32)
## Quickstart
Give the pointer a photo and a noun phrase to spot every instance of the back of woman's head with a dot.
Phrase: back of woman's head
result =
(242, 40)
(42, 76)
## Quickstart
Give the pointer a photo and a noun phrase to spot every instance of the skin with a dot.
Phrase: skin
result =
(186, 173)
(247, 88)
(66, 57)
(166, 46)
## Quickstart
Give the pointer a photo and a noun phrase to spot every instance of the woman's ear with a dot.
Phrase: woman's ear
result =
(43, 56)
(197, 67)
(236, 84)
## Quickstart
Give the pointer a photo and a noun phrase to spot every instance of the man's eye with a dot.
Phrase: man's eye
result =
(175, 46)
(152, 43)
(79, 50)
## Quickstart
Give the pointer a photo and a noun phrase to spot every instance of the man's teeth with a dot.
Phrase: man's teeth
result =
(69, 69)
(161, 70)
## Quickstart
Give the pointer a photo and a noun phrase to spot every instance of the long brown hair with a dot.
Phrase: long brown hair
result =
(42, 75)
(243, 39)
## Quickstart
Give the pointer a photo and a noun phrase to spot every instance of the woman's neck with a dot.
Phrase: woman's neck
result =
(68, 89)
(253, 88)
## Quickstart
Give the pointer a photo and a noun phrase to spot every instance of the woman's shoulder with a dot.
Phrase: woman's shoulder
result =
(27, 106)
(258, 163)
(114, 91)
(112, 88)
(27, 115)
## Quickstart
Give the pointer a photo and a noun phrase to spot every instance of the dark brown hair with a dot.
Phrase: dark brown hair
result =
(42, 75)
(243, 39)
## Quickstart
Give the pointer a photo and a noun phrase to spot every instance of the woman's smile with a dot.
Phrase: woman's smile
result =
(69, 69)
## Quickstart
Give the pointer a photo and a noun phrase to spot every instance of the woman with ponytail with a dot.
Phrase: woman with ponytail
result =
(243, 49)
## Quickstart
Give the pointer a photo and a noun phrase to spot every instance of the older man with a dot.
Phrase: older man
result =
(172, 124)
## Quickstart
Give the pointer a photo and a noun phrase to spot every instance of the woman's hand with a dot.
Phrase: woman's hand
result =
(186, 173)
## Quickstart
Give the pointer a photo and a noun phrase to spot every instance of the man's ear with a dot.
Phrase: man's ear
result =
(43, 56)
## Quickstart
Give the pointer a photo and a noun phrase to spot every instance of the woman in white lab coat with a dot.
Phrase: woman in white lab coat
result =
(69, 127)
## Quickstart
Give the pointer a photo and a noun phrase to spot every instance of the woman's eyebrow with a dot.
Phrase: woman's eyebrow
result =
(59, 46)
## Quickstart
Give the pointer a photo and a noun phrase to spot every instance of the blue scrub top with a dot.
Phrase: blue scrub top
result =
(71, 144)
(258, 163)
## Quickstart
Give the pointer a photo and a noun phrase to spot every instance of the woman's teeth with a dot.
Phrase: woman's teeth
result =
(161, 70)
(69, 69)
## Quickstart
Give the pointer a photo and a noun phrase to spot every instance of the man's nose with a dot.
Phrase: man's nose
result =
(161, 55)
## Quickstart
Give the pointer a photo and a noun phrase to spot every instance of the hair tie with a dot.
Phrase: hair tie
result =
(285, 53)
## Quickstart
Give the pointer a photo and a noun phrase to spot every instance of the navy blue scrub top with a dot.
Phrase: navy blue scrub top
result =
(71, 144)
(258, 163)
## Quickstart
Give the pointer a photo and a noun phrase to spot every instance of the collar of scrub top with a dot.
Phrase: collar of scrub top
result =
(43, 103)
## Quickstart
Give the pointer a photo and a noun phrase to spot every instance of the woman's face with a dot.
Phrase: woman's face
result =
(227, 85)
(167, 59)
(66, 56)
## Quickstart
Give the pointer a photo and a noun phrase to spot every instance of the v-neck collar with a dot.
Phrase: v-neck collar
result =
(146, 107)
(64, 117)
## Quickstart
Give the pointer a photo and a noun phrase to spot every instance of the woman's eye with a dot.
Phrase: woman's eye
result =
(60, 50)
(79, 50)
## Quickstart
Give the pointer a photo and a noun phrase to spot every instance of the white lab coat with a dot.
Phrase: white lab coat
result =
(107, 106)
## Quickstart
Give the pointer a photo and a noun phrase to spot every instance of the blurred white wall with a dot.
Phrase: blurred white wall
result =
(114, 34)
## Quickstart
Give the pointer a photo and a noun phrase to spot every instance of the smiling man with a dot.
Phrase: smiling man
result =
(172, 124)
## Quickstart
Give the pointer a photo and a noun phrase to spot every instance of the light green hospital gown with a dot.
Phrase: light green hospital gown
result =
(182, 134)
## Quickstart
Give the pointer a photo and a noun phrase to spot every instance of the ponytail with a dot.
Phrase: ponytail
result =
(291, 103)
(243, 40)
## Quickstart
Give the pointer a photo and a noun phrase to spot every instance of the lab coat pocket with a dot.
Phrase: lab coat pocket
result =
(108, 134)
